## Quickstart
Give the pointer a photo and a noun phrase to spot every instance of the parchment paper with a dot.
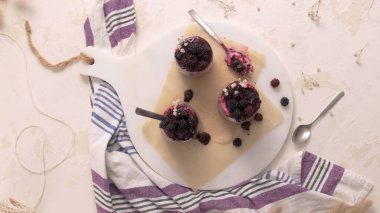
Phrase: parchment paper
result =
(195, 163)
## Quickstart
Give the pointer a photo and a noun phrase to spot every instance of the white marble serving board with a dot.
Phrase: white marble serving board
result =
(138, 80)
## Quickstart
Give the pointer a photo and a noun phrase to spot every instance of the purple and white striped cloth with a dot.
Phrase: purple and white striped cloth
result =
(124, 183)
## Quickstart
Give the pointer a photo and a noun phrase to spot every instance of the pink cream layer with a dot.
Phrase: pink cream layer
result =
(223, 105)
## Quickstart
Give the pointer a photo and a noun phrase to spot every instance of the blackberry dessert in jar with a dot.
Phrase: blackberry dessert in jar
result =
(193, 56)
(239, 101)
(180, 122)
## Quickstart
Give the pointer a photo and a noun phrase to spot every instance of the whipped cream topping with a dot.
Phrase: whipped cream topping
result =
(239, 61)
(175, 107)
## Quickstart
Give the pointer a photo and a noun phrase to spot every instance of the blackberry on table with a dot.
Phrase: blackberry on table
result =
(275, 82)
(284, 101)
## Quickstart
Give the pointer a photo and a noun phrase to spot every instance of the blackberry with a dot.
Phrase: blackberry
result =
(249, 111)
(275, 82)
(191, 121)
(191, 47)
(284, 101)
(243, 103)
(236, 114)
(203, 54)
(188, 95)
(258, 117)
(235, 62)
(237, 65)
(239, 68)
(163, 124)
(170, 127)
(202, 65)
(232, 104)
(183, 124)
(178, 55)
(207, 57)
(247, 93)
(246, 125)
(191, 63)
(237, 142)
(203, 137)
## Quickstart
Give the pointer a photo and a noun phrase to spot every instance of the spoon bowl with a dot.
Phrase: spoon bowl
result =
(302, 133)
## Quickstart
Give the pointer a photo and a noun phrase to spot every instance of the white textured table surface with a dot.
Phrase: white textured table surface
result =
(348, 135)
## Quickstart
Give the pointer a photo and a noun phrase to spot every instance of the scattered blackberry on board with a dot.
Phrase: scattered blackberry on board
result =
(246, 125)
(203, 137)
(237, 142)
(188, 95)
(275, 82)
(284, 101)
(258, 117)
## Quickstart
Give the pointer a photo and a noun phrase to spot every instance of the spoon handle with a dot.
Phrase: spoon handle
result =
(148, 114)
(329, 105)
(205, 26)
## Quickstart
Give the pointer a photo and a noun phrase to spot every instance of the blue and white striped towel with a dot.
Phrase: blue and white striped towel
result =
(124, 183)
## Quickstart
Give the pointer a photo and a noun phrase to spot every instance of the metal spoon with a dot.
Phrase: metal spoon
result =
(243, 65)
(303, 132)
(149, 114)
(207, 28)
